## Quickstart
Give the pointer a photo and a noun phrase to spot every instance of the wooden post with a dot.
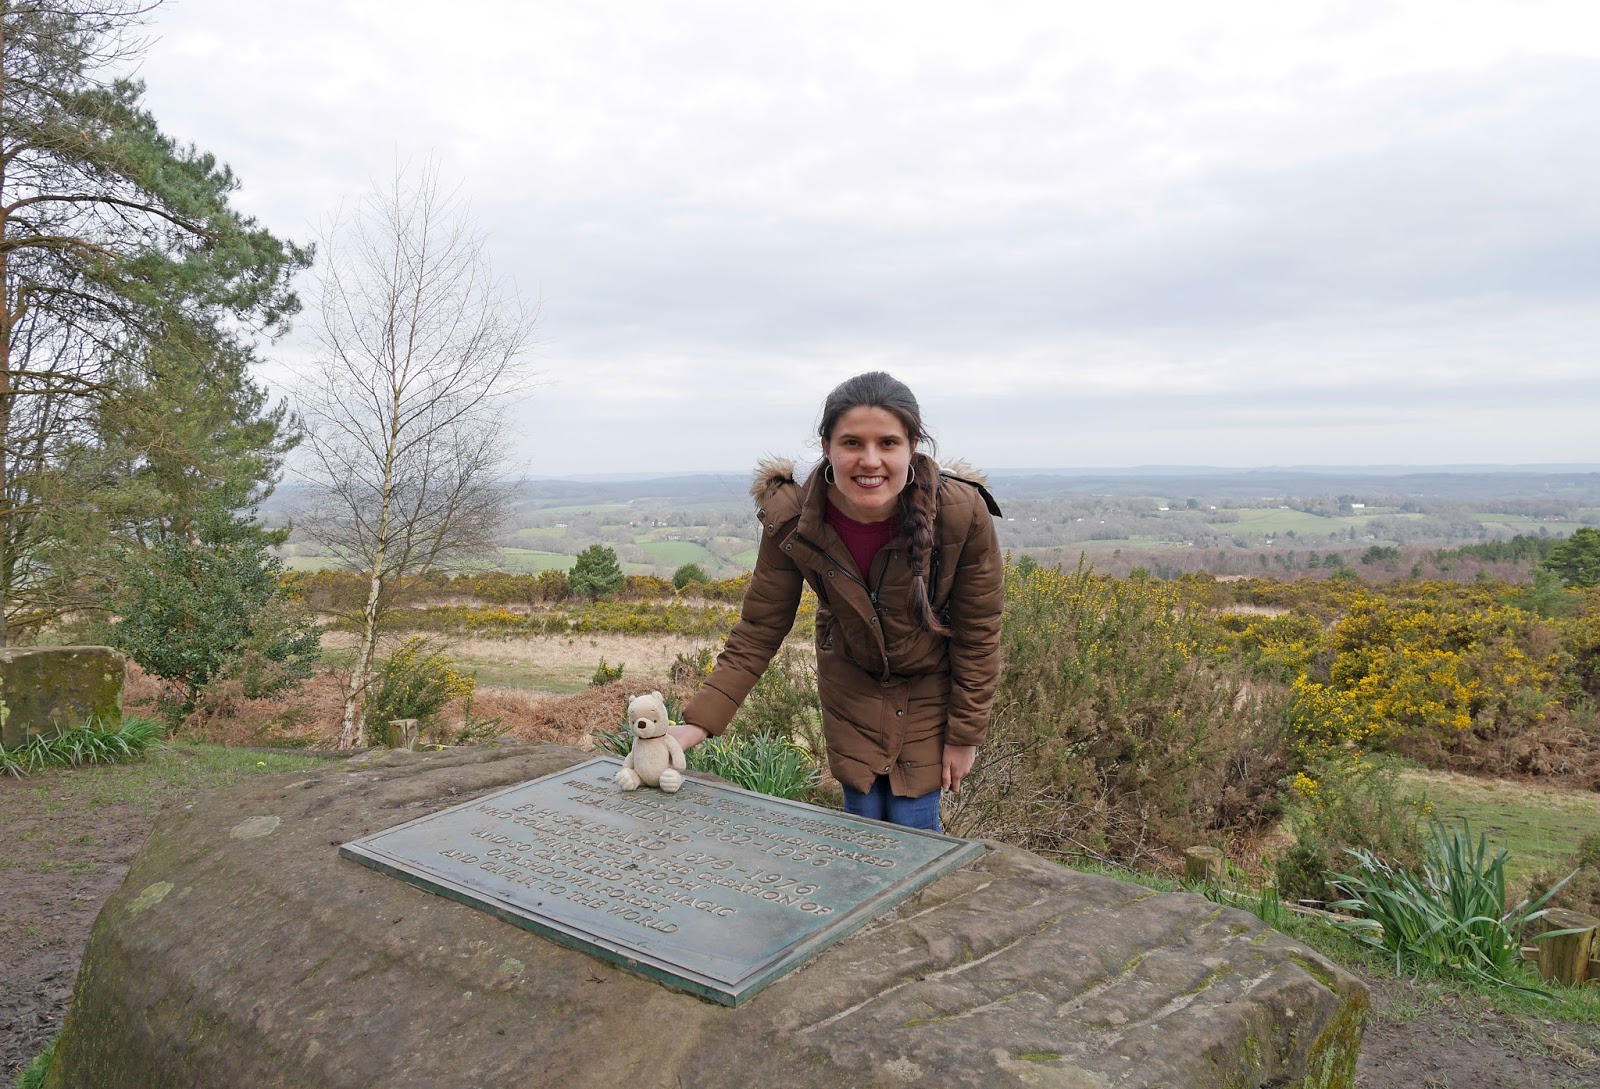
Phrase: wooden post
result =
(1565, 959)
(1203, 865)
(402, 733)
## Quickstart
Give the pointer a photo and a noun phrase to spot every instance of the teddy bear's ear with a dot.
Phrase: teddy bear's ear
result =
(658, 696)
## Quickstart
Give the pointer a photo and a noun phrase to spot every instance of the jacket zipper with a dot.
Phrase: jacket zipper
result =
(872, 591)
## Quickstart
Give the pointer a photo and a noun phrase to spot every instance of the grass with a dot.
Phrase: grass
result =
(91, 744)
(1453, 916)
(33, 1077)
(765, 765)
(529, 675)
(675, 554)
(1257, 521)
(167, 769)
(541, 533)
(532, 561)
(1539, 826)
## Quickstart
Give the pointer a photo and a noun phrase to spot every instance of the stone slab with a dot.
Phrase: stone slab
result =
(45, 690)
(243, 951)
(714, 890)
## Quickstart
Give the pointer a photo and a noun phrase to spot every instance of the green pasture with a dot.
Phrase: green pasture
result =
(1275, 523)
(1539, 825)
(540, 533)
(580, 508)
(1525, 524)
(532, 561)
(675, 554)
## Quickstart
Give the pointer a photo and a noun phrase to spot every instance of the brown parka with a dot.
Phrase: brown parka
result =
(892, 693)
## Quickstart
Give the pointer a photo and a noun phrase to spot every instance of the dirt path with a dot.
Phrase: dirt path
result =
(60, 860)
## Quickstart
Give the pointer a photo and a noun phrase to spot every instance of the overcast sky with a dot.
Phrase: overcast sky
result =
(1182, 233)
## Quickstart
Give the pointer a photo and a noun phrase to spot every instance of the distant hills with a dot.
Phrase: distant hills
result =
(1575, 483)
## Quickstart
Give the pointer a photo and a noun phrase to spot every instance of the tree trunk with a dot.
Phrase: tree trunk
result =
(353, 729)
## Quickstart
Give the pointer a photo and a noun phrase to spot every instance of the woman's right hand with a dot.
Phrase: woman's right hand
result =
(688, 734)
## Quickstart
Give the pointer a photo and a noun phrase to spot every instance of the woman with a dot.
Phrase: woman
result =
(907, 572)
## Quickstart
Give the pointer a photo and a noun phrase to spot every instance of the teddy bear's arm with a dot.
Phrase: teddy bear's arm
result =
(675, 754)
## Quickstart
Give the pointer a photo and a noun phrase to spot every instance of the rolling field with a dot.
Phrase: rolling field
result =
(1539, 825)
(675, 554)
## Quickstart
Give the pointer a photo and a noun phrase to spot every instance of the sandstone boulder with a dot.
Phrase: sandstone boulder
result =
(45, 690)
(243, 952)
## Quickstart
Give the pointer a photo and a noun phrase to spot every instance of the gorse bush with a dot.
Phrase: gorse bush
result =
(608, 617)
(1439, 672)
(1111, 737)
(605, 674)
(416, 681)
(1343, 803)
(783, 704)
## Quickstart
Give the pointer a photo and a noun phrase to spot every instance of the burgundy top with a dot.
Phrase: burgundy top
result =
(864, 539)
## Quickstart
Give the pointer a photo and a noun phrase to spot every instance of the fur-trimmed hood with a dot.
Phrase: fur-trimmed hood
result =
(773, 473)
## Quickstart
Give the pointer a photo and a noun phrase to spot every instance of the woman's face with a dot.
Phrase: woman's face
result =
(870, 454)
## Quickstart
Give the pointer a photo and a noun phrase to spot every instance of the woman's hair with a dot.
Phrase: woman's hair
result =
(876, 389)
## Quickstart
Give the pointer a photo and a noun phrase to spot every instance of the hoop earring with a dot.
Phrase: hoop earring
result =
(827, 474)
(911, 474)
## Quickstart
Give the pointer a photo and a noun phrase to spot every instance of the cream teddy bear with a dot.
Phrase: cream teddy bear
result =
(656, 758)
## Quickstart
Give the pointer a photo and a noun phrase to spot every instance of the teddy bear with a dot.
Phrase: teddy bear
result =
(657, 758)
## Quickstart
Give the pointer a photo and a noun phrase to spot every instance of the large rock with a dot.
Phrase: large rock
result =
(243, 952)
(45, 690)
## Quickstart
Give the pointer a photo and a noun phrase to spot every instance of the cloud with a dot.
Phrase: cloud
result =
(1364, 226)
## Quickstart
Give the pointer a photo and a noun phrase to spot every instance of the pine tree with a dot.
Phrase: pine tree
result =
(116, 245)
(597, 573)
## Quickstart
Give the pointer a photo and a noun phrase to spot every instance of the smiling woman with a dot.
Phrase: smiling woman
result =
(907, 571)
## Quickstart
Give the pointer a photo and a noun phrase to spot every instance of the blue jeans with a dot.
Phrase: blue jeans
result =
(882, 804)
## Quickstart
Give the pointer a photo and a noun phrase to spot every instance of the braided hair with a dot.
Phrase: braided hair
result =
(918, 500)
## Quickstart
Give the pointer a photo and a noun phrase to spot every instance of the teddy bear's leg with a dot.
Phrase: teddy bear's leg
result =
(628, 779)
(671, 780)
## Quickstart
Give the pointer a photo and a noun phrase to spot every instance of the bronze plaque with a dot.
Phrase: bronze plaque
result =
(714, 890)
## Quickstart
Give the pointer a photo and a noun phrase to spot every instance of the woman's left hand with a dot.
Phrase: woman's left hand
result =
(957, 762)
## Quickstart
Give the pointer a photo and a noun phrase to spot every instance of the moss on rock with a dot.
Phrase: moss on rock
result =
(46, 690)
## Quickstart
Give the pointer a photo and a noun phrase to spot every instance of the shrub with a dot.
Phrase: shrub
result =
(605, 674)
(1340, 804)
(766, 765)
(1110, 738)
(689, 572)
(1577, 559)
(415, 681)
(597, 573)
(1581, 888)
(1450, 917)
(554, 585)
(93, 743)
(783, 704)
(190, 607)
(693, 667)
(646, 587)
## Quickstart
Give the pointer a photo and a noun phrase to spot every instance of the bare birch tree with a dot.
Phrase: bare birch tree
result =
(420, 348)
